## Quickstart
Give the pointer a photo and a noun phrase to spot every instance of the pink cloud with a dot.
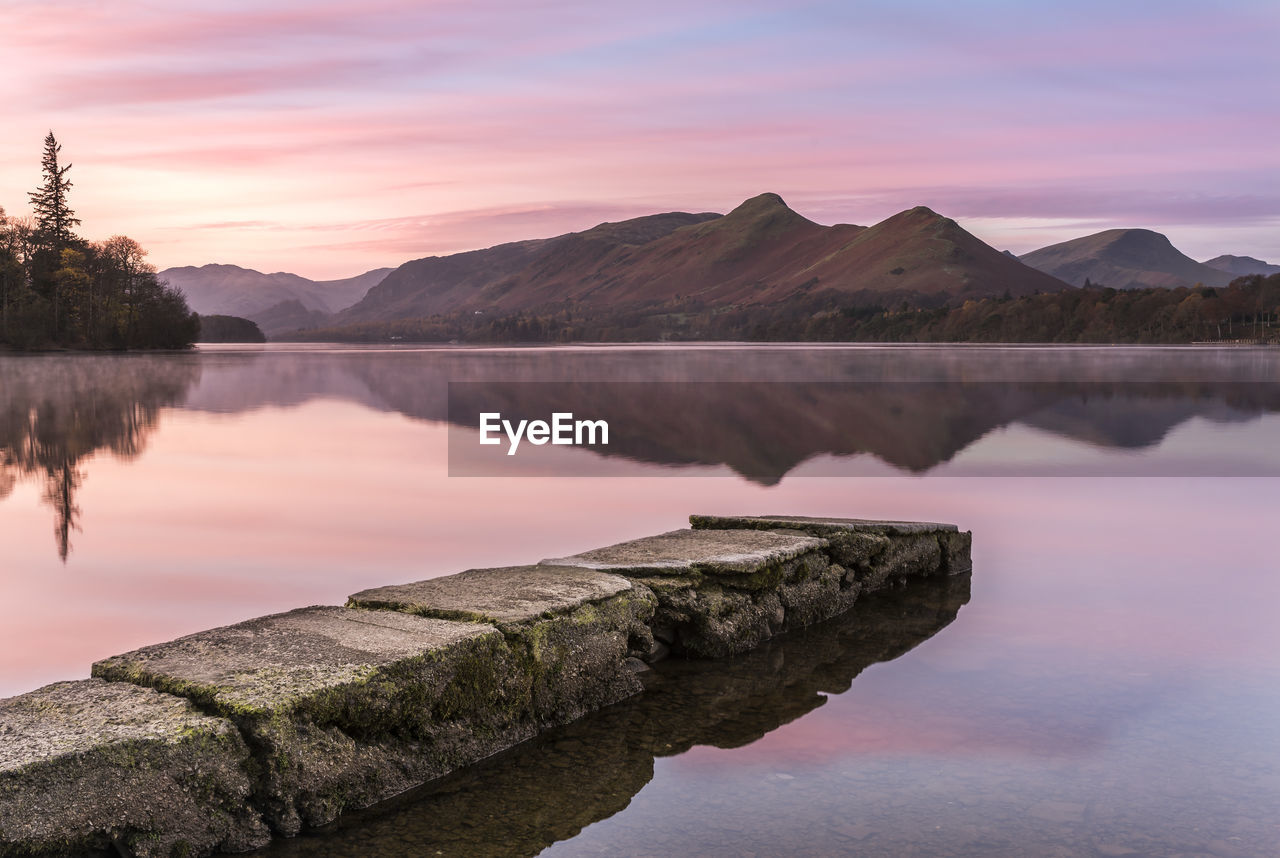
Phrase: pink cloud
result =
(332, 113)
(160, 87)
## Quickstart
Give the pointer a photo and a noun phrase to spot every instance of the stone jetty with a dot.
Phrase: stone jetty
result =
(221, 739)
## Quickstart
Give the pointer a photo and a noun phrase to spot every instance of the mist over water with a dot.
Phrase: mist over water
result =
(1107, 688)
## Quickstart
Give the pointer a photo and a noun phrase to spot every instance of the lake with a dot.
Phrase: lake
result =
(1107, 682)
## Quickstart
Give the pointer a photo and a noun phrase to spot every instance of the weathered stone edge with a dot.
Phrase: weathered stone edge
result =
(953, 546)
(360, 602)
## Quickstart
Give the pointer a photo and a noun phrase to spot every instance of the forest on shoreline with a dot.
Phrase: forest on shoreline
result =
(1246, 310)
(58, 290)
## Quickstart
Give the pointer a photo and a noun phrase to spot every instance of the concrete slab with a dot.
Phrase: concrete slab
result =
(877, 551)
(272, 664)
(510, 594)
(573, 627)
(346, 707)
(816, 525)
(91, 764)
(733, 554)
(722, 592)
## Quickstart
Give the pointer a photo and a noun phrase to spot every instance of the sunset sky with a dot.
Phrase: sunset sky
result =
(329, 138)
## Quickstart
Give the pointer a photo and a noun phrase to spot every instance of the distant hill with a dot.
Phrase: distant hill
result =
(1241, 265)
(235, 291)
(291, 315)
(1124, 259)
(762, 252)
(229, 329)
(442, 284)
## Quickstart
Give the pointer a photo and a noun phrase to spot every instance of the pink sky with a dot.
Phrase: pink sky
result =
(329, 138)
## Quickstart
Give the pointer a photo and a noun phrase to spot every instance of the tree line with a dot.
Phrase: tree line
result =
(1248, 309)
(59, 290)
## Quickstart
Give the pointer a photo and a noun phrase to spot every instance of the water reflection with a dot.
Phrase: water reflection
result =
(552, 787)
(57, 412)
(758, 412)
(764, 430)
(1119, 654)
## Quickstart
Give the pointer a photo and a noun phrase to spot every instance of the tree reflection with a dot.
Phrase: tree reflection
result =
(56, 413)
(760, 413)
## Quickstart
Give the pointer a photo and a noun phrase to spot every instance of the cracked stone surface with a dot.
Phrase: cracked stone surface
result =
(509, 594)
(877, 551)
(722, 592)
(573, 627)
(679, 552)
(343, 707)
(268, 664)
(83, 764)
(213, 741)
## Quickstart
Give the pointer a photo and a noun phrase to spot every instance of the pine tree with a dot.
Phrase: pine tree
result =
(54, 218)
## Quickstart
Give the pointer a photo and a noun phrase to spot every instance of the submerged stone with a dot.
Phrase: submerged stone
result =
(572, 627)
(343, 707)
(94, 765)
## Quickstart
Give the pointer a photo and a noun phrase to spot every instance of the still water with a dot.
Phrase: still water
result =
(1107, 683)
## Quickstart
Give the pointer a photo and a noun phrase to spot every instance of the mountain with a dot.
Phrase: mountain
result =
(291, 315)
(1242, 265)
(235, 291)
(442, 284)
(1124, 259)
(762, 252)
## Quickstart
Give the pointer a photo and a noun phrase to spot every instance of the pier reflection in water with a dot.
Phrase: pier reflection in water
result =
(550, 788)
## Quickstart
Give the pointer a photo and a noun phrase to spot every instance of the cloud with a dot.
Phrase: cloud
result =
(452, 232)
(537, 116)
(157, 86)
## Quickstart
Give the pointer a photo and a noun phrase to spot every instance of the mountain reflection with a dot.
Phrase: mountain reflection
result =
(763, 430)
(550, 788)
(759, 412)
(57, 412)
(764, 411)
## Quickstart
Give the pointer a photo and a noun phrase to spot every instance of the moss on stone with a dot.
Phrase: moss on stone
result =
(85, 763)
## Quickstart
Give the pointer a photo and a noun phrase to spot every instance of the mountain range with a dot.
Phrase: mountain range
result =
(1124, 259)
(286, 299)
(1242, 265)
(760, 253)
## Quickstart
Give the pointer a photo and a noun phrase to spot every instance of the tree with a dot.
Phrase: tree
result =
(71, 290)
(54, 217)
(57, 289)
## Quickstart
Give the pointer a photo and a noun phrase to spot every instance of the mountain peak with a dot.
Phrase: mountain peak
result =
(922, 212)
(763, 211)
(1242, 265)
(1123, 259)
(761, 202)
(918, 219)
(1136, 235)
